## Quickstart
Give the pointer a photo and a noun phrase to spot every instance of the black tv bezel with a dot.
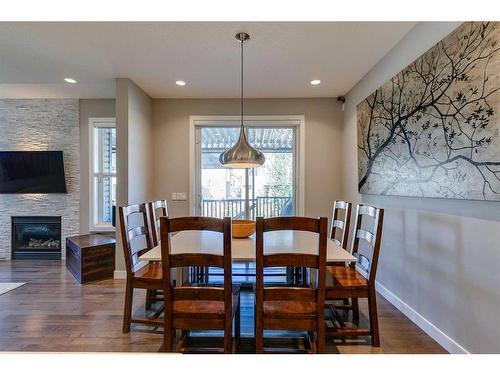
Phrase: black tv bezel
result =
(39, 192)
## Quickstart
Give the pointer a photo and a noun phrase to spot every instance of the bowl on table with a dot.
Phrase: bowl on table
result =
(243, 228)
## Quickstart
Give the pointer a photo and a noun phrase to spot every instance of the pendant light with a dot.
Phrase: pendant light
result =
(242, 155)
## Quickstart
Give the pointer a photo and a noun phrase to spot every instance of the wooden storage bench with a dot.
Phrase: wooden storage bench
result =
(91, 257)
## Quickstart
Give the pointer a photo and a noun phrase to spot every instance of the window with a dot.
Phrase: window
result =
(270, 190)
(102, 139)
(274, 189)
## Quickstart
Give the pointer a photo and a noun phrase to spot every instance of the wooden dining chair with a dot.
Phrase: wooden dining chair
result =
(156, 209)
(339, 233)
(194, 306)
(357, 280)
(140, 274)
(291, 307)
(341, 220)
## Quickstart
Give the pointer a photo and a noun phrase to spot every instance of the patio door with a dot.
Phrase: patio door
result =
(268, 191)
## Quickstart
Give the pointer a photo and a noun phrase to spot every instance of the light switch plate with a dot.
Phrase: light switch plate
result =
(179, 196)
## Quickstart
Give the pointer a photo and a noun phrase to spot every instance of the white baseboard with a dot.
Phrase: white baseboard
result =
(439, 336)
(120, 274)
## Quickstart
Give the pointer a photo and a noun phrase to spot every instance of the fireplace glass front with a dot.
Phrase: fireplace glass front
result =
(36, 237)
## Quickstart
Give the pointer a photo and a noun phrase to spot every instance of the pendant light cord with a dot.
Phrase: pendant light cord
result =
(242, 128)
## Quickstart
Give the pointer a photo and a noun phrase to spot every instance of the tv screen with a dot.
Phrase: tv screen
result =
(32, 172)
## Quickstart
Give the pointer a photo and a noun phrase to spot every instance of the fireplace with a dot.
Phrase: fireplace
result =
(36, 237)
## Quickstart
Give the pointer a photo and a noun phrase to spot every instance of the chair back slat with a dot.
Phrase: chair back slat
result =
(367, 210)
(156, 210)
(338, 224)
(291, 223)
(138, 251)
(135, 232)
(368, 229)
(362, 262)
(196, 260)
(290, 294)
(134, 224)
(132, 209)
(169, 261)
(196, 223)
(291, 260)
(198, 293)
(341, 205)
(339, 231)
(365, 235)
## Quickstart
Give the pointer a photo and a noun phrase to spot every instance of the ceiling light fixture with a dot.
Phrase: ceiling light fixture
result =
(242, 155)
(70, 80)
(315, 82)
(180, 83)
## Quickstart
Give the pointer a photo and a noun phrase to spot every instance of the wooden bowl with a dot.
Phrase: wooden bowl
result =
(243, 228)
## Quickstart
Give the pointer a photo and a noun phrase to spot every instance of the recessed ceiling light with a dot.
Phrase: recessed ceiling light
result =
(70, 80)
(180, 83)
(315, 82)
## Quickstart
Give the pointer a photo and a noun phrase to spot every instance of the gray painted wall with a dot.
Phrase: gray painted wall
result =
(323, 144)
(439, 257)
(39, 125)
(134, 151)
(89, 108)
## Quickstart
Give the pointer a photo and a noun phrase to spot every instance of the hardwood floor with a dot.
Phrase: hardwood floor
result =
(53, 313)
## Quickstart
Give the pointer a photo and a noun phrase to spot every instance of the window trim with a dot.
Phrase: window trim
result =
(103, 122)
(297, 121)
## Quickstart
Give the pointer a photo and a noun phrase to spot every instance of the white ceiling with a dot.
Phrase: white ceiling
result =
(281, 58)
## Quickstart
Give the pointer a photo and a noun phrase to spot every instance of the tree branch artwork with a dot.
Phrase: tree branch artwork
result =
(433, 130)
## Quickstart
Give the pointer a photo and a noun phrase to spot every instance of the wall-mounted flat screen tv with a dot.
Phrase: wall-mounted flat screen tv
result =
(32, 172)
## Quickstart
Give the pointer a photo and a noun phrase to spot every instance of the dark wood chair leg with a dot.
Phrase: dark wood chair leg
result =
(167, 337)
(355, 310)
(228, 335)
(149, 298)
(127, 310)
(259, 336)
(237, 326)
(320, 337)
(372, 306)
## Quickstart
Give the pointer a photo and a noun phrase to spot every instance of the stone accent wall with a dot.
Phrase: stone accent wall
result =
(39, 125)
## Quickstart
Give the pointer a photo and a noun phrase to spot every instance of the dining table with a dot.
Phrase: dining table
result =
(243, 249)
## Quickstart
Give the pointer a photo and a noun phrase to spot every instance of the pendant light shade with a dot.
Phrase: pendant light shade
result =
(242, 155)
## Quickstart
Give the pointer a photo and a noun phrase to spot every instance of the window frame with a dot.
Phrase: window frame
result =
(289, 121)
(97, 122)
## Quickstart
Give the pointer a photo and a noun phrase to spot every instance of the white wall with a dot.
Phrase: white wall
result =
(134, 150)
(439, 259)
(89, 108)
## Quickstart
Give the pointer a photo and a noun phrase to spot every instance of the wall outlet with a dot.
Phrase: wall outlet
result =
(174, 196)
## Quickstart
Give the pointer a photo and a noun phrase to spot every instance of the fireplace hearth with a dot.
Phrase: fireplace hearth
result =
(36, 237)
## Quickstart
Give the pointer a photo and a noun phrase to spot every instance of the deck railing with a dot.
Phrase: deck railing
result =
(235, 208)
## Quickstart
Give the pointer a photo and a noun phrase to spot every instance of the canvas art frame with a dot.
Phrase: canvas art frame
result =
(433, 130)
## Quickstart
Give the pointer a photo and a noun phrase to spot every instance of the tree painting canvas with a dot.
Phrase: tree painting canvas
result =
(433, 130)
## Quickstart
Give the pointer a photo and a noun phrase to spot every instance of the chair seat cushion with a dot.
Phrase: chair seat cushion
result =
(281, 308)
(346, 277)
(149, 272)
(200, 307)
